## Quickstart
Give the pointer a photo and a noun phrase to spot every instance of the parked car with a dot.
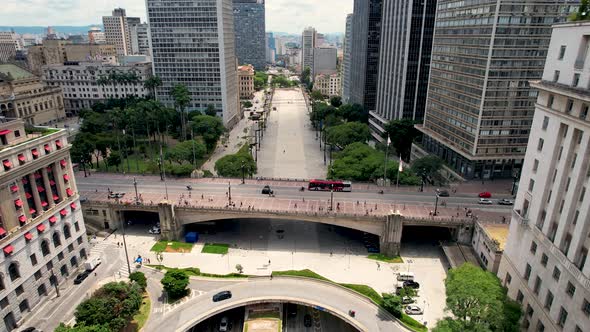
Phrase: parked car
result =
(372, 250)
(266, 190)
(413, 309)
(155, 230)
(407, 300)
(83, 199)
(443, 193)
(485, 194)
(505, 201)
(411, 284)
(81, 277)
(224, 295)
(223, 325)
(292, 309)
(307, 320)
(116, 195)
(485, 201)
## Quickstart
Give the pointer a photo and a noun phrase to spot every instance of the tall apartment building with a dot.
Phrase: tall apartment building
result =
(347, 61)
(116, 29)
(9, 44)
(23, 95)
(366, 31)
(79, 82)
(42, 231)
(480, 105)
(249, 21)
(407, 28)
(54, 52)
(324, 61)
(307, 45)
(140, 40)
(545, 264)
(203, 58)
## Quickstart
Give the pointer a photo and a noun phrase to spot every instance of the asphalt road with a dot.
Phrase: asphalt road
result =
(151, 184)
(322, 295)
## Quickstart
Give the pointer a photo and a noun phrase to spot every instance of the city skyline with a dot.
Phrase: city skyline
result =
(281, 15)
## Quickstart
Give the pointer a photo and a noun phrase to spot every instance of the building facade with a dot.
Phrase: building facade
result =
(366, 31)
(324, 61)
(347, 60)
(407, 28)
(488, 242)
(203, 58)
(42, 232)
(57, 52)
(81, 87)
(9, 44)
(246, 81)
(140, 41)
(480, 105)
(96, 36)
(545, 264)
(24, 96)
(307, 46)
(116, 30)
(327, 84)
(249, 20)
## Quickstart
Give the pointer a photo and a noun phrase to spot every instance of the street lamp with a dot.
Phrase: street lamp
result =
(243, 175)
(436, 203)
(515, 177)
(125, 244)
(229, 193)
(54, 278)
(136, 195)
(331, 197)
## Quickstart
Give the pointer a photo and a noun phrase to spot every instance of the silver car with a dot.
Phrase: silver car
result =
(413, 309)
(485, 201)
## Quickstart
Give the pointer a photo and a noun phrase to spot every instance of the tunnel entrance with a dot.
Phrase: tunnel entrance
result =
(140, 217)
(426, 235)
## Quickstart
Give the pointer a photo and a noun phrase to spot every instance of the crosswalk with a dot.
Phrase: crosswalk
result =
(98, 248)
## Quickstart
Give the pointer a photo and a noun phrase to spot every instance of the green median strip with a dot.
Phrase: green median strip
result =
(385, 258)
(215, 248)
(196, 272)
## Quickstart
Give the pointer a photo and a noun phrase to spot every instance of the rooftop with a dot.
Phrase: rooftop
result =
(16, 72)
(498, 232)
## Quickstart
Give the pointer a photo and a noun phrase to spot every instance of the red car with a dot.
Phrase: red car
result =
(485, 194)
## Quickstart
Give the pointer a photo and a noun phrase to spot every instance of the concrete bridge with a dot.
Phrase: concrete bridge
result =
(388, 225)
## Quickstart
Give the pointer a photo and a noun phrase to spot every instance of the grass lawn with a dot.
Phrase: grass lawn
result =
(144, 312)
(366, 291)
(413, 324)
(215, 248)
(300, 273)
(172, 246)
(385, 258)
(195, 271)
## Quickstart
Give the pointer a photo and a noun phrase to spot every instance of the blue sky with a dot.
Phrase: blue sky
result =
(281, 15)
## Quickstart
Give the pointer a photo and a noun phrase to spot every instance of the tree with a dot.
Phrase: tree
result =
(260, 80)
(82, 328)
(175, 283)
(402, 133)
(582, 13)
(306, 77)
(348, 133)
(211, 111)
(475, 297)
(231, 165)
(282, 81)
(114, 159)
(336, 101)
(247, 104)
(182, 98)
(93, 123)
(139, 278)
(82, 149)
(512, 313)
(353, 112)
(428, 166)
(186, 151)
(393, 304)
(210, 128)
(316, 95)
(152, 83)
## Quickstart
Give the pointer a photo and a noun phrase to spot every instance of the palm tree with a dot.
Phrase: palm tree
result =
(151, 84)
(182, 98)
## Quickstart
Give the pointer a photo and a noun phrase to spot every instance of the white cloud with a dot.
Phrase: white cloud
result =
(281, 15)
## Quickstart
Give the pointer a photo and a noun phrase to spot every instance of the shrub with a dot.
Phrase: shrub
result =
(175, 282)
(139, 278)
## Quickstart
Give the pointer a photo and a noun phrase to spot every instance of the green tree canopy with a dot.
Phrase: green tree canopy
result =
(175, 283)
(582, 14)
(260, 80)
(393, 304)
(184, 151)
(114, 159)
(210, 128)
(231, 165)
(316, 96)
(211, 111)
(348, 133)
(430, 165)
(353, 112)
(402, 133)
(282, 81)
(93, 122)
(336, 101)
(247, 104)
(306, 77)
(82, 328)
(139, 278)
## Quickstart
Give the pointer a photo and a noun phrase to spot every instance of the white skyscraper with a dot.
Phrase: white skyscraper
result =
(545, 264)
(307, 46)
(195, 46)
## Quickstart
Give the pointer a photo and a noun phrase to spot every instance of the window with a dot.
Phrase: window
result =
(556, 76)
(49, 265)
(540, 144)
(582, 193)
(67, 233)
(41, 290)
(38, 275)
(578, 329)
(537, 286)
(544, 260)
(60, 256)
(4, 303)
(519, 297)
(576, 80)
(584, 112)
(56, 240)
(533, 247)
(531, 185)
(79, 240)
(540, 327)
(529, 310)
(556, 273)
(548, 300)
(45, 248)
(561, 52)
(24, 306)
(17, 133)
(562, 317)
(508, 278)
(13, 271)
(33, 259)
(527, 272)
(535, 165)
(70, 247)
(550, 101)
(586, 308)
(546, 121)
(76, 226)
(19, 290)
(570, 289)
(569, 106)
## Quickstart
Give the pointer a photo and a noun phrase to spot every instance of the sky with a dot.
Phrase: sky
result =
(281, 15)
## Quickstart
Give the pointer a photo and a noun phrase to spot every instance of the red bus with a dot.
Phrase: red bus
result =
(328, 185)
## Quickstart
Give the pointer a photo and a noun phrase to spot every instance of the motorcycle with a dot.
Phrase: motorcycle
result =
(302, 189)
(351, 313)
(189, 188)
(381, 192)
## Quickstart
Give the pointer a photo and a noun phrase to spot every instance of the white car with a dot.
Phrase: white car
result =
(485, 201)
(413, 309)
(155, 230)
(223, 324)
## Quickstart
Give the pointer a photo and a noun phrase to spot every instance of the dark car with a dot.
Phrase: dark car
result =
(81, 277)
(222, 296)
(292, 309)
(266, 190)
(372, 250)
(443, 193)
(307, 320)
(31, 329)
(411, 284)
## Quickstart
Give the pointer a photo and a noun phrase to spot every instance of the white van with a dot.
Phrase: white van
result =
(405, 276)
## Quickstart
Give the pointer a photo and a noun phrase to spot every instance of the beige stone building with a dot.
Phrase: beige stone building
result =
(23, 95)
(246, 81)
(328, 85)
(57, 52)
(116, 30)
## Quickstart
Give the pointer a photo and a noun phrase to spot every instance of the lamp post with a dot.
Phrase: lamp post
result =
(54, 278)
(436, 204)
(331, 197)
(136, 195)
(125, 243)
(229, 193)
(515, 177)
(243, 175)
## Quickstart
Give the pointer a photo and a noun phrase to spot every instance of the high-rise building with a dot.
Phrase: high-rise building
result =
(116, 29)
(271, 51)
(347, 62)
(42, 232)
(203, 57)
(8, 45)
(307, 46)
(140, 41)
(324, 61)
(96, 36)
(545, 264)
(320, 40)
(406, 44)
(480, 105)
(366, 31)
(249, 21)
